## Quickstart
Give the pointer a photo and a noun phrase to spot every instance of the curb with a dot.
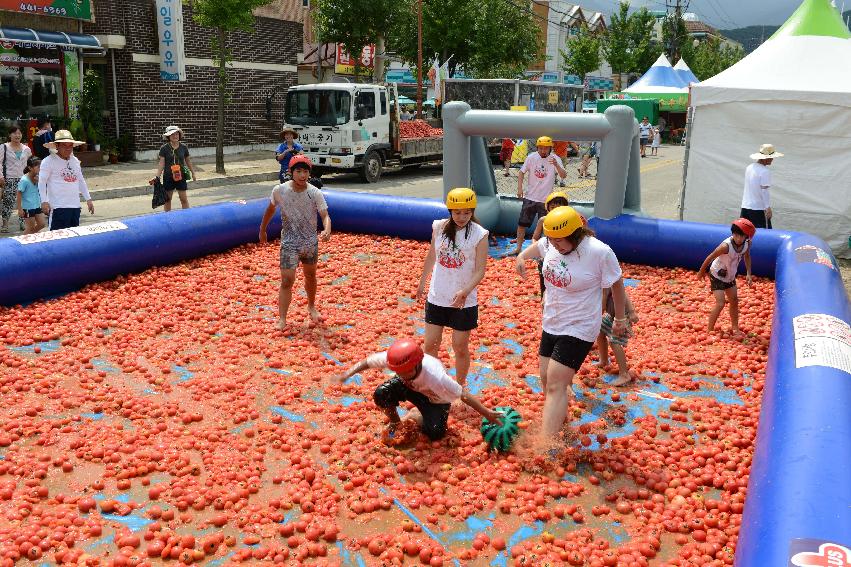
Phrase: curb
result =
(135, 191)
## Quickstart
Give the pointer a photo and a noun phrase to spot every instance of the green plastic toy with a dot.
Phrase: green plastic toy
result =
(500, 437)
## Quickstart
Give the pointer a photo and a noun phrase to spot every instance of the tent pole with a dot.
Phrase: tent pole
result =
(689, 126)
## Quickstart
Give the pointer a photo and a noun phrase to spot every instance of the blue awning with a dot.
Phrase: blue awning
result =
(41, 37)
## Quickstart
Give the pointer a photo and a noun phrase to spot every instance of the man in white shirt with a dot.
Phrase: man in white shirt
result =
(420, 379)
(756, 200)
(60, 183)
(542, 167)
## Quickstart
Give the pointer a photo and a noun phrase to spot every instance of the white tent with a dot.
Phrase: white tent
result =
(794, 91)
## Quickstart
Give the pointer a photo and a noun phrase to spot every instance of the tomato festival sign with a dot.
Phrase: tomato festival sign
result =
(76, 9)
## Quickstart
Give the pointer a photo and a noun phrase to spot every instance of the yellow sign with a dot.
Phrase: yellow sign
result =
(519, 108)
(345, 64)
(552, 97)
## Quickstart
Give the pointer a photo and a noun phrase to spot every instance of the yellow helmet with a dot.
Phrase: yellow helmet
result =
(556, 195)
(545, 141)
(561, 222)
(461, 198)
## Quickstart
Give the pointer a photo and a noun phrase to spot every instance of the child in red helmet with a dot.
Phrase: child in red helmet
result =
(300, 203)
(722, 265)
(420, 379)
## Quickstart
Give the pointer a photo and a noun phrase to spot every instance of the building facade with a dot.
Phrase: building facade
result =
(125, 49)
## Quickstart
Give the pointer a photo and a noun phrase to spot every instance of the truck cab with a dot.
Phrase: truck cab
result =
(345, 126)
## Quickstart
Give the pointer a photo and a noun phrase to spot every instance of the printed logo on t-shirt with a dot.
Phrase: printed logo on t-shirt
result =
(68, 175)
(450, 255)
(556, 273)
(540, 171)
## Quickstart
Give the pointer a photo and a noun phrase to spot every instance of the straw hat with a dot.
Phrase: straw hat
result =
(63, 136)
(766, 151)
(171, 130)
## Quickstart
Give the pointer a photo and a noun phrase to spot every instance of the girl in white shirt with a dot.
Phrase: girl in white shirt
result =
(722, 265)
(456, 261)
(577, 267)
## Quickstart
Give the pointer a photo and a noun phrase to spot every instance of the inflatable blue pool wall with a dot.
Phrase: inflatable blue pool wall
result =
(800, 485)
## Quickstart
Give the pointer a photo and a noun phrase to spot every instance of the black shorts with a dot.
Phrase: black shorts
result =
(529, 210)
(393, 392)
(64, 218)
(31, 213)
(645, 141)
(564, 349)
(170, 184)
(719, 285)
(756, 217)
(459, 319)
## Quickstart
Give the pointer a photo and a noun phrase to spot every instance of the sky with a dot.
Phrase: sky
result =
(721, 14)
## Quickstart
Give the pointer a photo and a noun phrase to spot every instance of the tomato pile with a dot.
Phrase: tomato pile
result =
(419, 129)
(161, 418)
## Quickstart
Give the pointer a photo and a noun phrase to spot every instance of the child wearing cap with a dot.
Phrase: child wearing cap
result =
(286, 150)
(722, 265)
(300, 204)
(555, 199)
(420, 379)
(456, 261)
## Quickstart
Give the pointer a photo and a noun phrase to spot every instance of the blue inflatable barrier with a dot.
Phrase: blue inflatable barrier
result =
(800, 484)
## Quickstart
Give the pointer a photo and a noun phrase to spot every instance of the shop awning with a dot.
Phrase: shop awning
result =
(42, 37)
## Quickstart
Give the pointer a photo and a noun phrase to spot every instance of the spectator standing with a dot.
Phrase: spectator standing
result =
(14, 160)
(42, 137)
(285, 152)
(61, 182)
(645, 130)
(657, 141)
(29, 207)
(756, 200)
(662, 125)
(542, 168)
(505, 154)
(175, 166)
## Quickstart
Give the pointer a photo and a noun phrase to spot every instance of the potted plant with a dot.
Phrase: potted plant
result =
(110, 150)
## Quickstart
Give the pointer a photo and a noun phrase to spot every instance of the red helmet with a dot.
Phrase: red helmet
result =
(745, 226)
(404, 355)
(300, 159)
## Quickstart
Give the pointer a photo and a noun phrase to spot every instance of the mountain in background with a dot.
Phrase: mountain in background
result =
(752, 36)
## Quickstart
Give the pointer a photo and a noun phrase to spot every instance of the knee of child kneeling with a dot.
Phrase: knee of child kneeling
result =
(435, 431)
(383, 398)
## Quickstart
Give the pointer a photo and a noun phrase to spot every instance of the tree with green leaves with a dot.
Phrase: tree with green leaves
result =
(354, 24)
(629, 46)
(224, 16)
(488, 38)
(675, 37)
(583, 52)
(710, 57)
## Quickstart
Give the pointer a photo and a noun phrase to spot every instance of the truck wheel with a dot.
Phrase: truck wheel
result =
(371, 169)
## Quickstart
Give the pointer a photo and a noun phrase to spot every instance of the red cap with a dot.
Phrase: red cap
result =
(404, 355)
(745, 226)
(300, 159)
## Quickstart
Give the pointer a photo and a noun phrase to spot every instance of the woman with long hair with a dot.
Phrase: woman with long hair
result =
(456, 260)
(13, 157)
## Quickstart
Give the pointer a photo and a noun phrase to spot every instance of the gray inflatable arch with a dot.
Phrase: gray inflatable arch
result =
(466, 162)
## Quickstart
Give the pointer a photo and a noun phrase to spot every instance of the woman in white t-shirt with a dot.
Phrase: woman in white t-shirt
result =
(456, 261)
(13, 156)
(577, 267)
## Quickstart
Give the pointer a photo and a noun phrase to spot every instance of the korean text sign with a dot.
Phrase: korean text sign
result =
(170, 37)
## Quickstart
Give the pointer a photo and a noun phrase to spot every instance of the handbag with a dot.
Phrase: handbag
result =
(160, 196)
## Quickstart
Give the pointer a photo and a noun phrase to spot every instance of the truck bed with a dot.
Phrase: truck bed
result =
(421, 147)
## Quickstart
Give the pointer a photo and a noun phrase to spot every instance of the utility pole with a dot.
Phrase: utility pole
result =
(675, 41)
(419, 59)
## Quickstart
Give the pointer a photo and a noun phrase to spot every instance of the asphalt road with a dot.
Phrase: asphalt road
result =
(661, 180)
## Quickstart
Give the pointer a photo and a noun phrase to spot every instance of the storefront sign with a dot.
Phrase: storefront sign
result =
(76, 9)
(170, 35)
(346, 64)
